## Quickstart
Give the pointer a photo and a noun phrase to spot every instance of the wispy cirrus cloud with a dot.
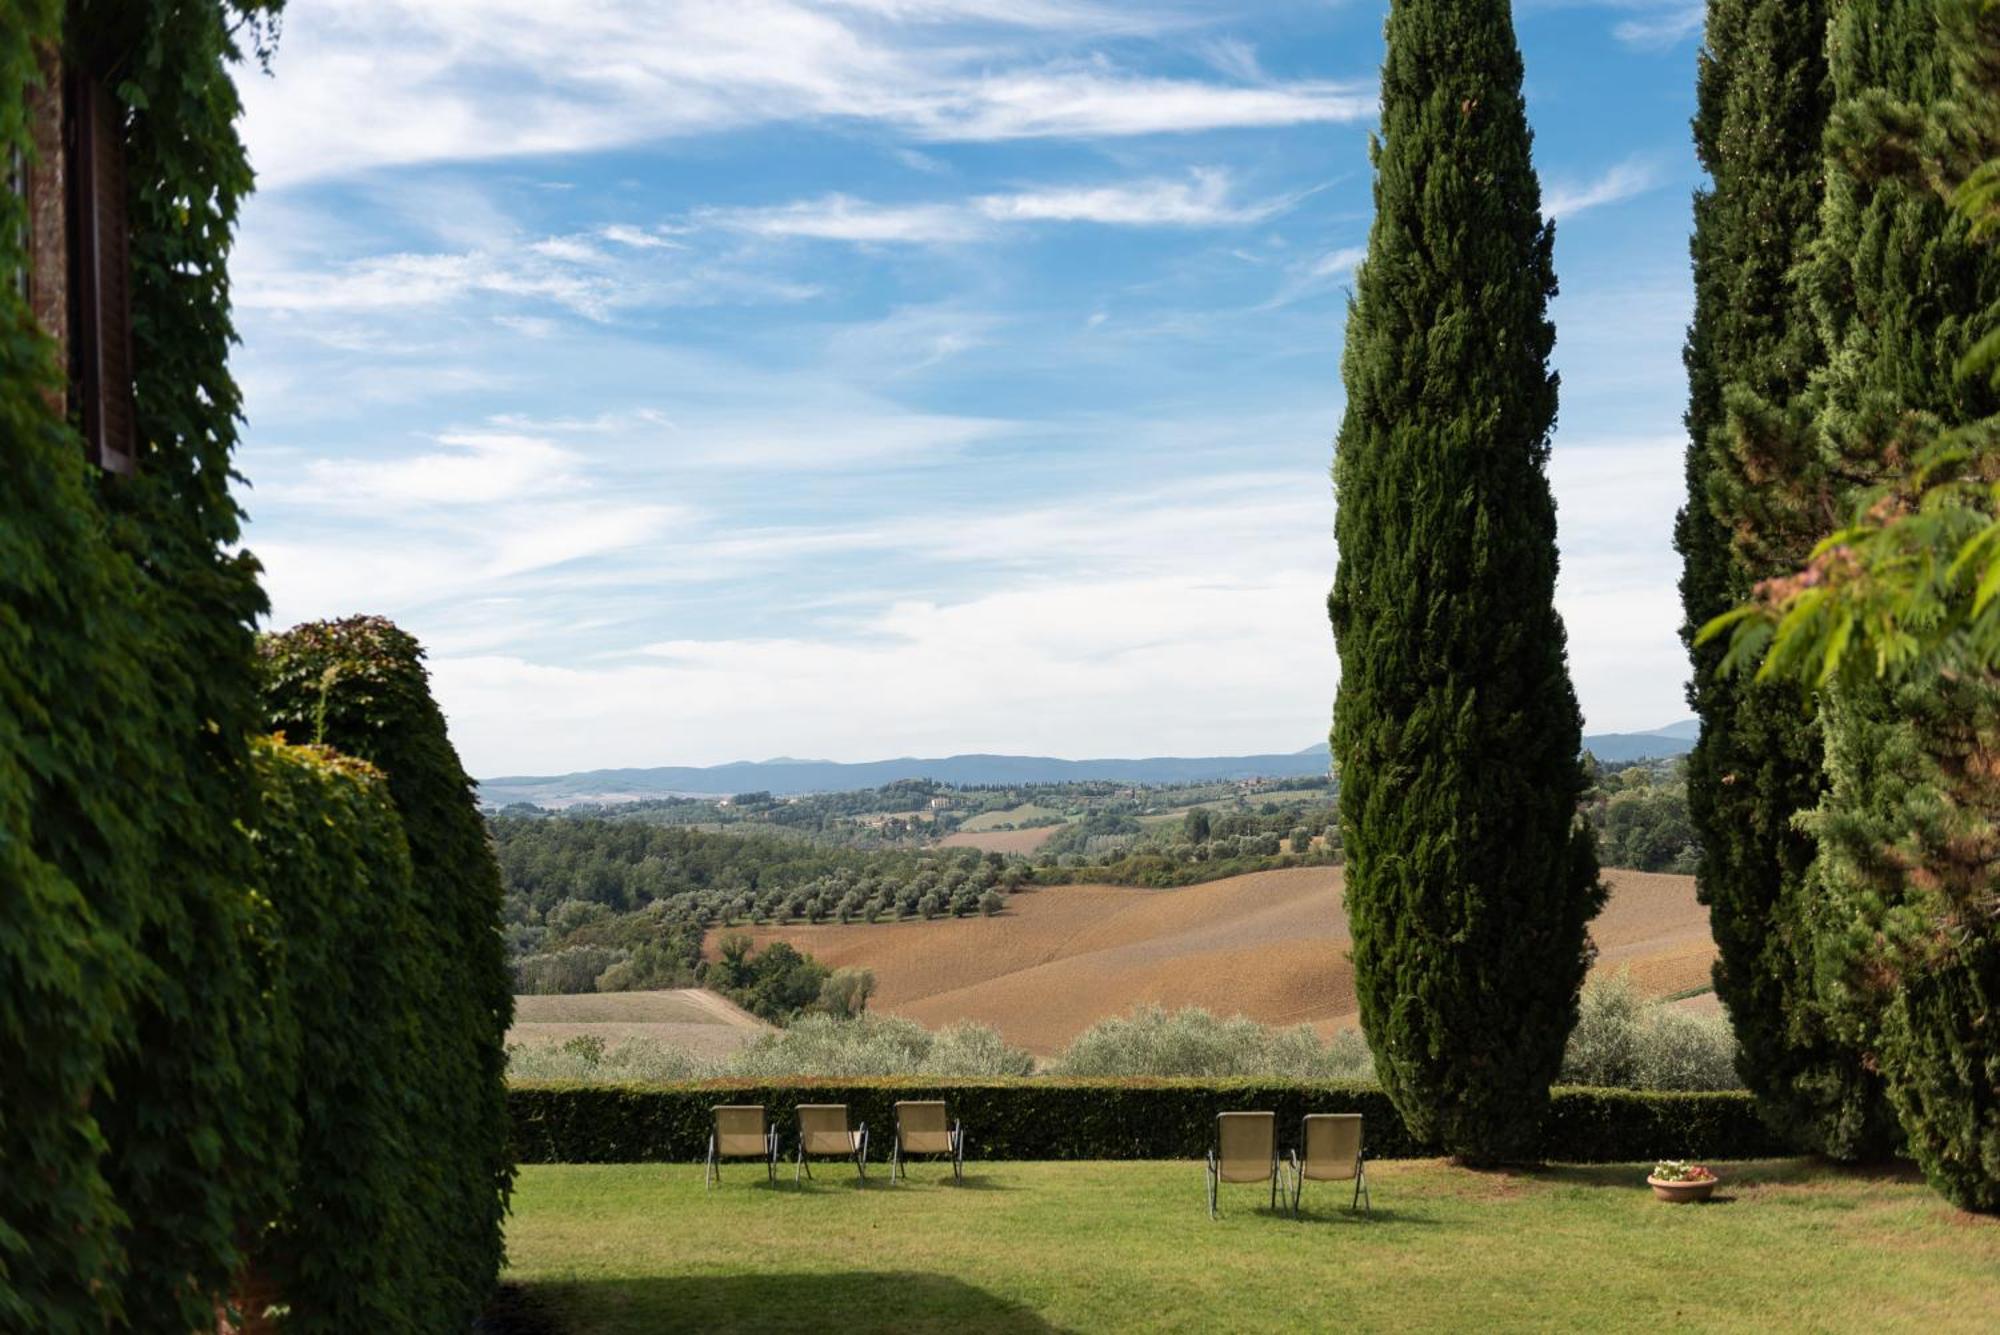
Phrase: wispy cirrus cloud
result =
(397, 82)
(1205, 198)
(1667, 28)
(1625, 180)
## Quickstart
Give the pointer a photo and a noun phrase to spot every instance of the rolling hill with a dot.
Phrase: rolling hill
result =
(787, 777)
(1271, 945)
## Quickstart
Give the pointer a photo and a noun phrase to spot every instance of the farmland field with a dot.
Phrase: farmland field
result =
(988, 820)
(1271, 945)
(1023, 842)
(682, 1018)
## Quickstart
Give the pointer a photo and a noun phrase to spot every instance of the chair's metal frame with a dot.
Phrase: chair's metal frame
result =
(858, 1156)
(715, 1158)
(1360, 1176)
(957, 1134)
(1215, 1167)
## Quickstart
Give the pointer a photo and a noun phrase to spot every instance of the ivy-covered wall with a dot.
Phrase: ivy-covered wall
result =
(177, 900)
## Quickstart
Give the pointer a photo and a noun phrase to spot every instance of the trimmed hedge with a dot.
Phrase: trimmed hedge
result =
(1107, 1119)
(359, 685)
(350, 970)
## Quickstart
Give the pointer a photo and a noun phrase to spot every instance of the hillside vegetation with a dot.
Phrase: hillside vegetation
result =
(1271, 946)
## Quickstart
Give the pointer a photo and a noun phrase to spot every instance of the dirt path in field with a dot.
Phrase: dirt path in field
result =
(686, 1017)
(1271, 945)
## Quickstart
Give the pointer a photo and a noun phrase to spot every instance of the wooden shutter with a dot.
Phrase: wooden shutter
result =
(100, 277)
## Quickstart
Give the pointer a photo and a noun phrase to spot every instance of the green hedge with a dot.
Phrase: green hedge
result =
(348, 977)
(359, 685)
(1106, 1119)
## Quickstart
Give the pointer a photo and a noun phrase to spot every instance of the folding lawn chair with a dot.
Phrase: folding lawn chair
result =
(1333, 1153)
(823, 1131)
(1246, 1150)
(740, 1132)
(922, 1128)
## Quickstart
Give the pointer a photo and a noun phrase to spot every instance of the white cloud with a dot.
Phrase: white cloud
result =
(1305, 278)
(1626, 180)
(1616, 504)
(376, 83)
(471, 468)
(1204, 199)
(840, 218)
(1662, 30)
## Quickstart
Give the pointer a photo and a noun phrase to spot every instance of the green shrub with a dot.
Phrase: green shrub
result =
(354, 983)
(1625, 1041)
(360, 685)
(816, 1045)
(1100, 1119)
(1192, 1042)
(846, 991)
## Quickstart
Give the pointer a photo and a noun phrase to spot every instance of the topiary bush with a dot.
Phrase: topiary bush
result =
(352, 980)
(360, 686)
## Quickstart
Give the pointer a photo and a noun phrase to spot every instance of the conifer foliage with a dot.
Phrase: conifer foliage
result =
(1763, 103)
(1908, 951)
(1470, 881)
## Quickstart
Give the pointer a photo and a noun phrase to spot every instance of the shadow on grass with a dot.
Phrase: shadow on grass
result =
(971, 1182)
(1746, 1173)
(846, 1301)
(1382, 1216)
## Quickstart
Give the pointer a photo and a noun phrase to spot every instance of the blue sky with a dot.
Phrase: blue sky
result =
(718, 379)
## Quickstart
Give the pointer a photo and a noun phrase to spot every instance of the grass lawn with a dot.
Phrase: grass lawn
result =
(1129, 1246)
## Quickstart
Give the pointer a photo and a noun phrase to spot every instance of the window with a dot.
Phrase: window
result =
(100, 342)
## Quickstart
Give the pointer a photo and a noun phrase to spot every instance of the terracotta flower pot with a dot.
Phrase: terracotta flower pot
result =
(1681, 1193)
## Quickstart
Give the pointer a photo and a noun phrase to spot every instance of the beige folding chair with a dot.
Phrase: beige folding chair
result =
(1246, 1150)
(740, 1132)
(823, 1131)
(923, 1128)
(1333, 1153)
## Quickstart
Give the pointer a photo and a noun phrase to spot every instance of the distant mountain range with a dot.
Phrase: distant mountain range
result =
(787, 777)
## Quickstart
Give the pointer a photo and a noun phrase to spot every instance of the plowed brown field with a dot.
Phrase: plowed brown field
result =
(1001, 841)
(1272, 945)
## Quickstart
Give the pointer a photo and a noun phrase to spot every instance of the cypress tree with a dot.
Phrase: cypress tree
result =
(1763, 103)
(1470, 880)
(1907, 946)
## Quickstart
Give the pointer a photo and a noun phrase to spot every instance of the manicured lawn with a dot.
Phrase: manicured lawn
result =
(1129, 1246)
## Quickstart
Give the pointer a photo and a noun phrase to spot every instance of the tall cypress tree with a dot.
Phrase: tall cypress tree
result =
(1763, 103)
(1909, 832)
(1470, 881)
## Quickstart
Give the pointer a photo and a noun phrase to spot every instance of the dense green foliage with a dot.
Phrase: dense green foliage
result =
(140, 1131)
(1625, 1040)
(1764, 99)
(1909, 953)
(353, 976)
(1456, 734)
(1640, 816)
(360, 686)
(776, 983)
(1109, 1119)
